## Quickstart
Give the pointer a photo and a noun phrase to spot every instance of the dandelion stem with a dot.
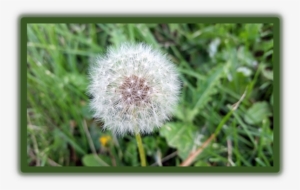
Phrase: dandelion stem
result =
(141, 149)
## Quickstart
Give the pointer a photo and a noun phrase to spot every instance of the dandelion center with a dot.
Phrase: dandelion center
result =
(134, 90)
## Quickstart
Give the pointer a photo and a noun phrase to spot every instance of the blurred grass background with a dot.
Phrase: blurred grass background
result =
(217, 62)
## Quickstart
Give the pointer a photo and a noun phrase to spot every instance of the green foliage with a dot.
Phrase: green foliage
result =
(182, 137)
(131, 154)
(257, 113)
(217, 63)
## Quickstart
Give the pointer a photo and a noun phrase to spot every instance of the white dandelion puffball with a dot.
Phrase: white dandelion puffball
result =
(134, 89)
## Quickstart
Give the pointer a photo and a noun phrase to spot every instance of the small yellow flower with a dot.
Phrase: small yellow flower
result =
(104, 140)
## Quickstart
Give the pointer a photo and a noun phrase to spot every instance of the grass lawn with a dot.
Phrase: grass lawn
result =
(218, 63)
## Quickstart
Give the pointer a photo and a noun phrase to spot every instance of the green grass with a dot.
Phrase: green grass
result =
(217, 62)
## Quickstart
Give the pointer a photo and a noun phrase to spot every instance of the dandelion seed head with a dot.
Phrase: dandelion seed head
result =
(134, 88)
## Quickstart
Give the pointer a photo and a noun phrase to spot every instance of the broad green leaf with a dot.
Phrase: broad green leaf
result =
(207, 88)
(185, 138)
(257, 112)
(178, 112)
(95, 160)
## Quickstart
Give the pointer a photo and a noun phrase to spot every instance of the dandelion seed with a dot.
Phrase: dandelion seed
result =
(147, 100)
